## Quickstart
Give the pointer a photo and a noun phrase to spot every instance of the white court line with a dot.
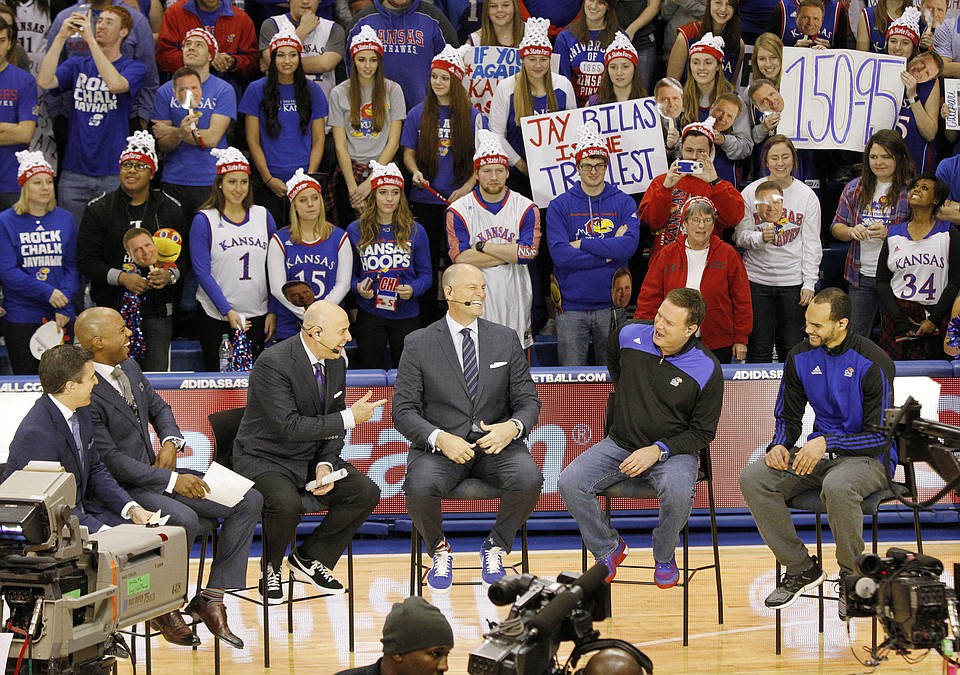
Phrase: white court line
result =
(732, 631)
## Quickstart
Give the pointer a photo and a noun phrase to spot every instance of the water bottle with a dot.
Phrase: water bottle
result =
(226, 355)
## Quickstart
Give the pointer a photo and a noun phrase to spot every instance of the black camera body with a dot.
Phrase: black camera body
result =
(903, 590)
(543, 615)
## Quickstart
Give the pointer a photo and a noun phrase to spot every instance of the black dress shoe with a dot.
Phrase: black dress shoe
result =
(214, 617)
(175, 630)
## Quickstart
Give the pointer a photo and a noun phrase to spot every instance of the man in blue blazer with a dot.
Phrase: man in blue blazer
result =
(465, 400)
(59, 429)
(122, 437)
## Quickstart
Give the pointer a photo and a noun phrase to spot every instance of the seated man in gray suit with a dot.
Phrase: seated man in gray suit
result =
(465, 400)
(122, 405)
(291, 434)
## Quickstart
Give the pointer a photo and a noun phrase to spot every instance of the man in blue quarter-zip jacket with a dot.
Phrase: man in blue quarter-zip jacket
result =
(848, 381)
(669, 391)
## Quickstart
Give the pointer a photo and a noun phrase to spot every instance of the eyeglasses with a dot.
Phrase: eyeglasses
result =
(592, 168)
(699, 221)
(138, 166)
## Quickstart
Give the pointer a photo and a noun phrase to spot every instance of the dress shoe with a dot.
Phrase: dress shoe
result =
(175, 630)
(214, 617)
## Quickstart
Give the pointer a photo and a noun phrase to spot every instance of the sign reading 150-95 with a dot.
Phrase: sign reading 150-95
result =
(838, 98)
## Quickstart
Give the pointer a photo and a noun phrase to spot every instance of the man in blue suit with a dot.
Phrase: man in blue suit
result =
(465, 400)
(122, 406)
(59, 429)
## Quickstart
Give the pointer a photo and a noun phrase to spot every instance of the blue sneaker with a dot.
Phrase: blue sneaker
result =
(667, 575)
(440, 577)
(613, 560)
(491, 564)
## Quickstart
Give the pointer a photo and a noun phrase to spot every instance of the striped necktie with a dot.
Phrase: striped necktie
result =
(471, 371)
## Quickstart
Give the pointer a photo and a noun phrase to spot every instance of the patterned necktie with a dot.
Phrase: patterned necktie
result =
(75, 428)
(321, 376)
(125, 388)
(471, 371)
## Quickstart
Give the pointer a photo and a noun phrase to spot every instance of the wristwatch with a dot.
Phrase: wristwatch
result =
(479, 245)
(178, 443)
(664, 454)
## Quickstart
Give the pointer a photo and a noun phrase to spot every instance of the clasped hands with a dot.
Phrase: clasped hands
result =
(457, 449)
(804, 461)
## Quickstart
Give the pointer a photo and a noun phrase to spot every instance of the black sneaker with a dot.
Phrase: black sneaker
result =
(791, 586)
(313, 572)
(842, 597)
(274, 592)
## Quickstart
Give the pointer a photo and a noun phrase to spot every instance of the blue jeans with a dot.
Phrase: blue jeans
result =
(647, 65)
(75, 190)
(575, 330)
(599, 467)
(865, 303)
(778, 319)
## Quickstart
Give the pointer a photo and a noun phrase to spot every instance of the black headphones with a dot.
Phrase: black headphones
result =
(605, 643)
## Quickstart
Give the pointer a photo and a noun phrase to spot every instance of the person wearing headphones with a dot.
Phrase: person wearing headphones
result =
(291, 437)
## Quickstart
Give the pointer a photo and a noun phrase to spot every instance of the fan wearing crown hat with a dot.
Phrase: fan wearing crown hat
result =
(38, 261)
(660, 207)
(919, 115)
(532, 91)
(228, 251)
(701, 93)
(497, 230)
(592, 231)
(391, 270)
(438, 146)
(114, 276)
(366, 118)
(192, 114)
(324, 41)
(622, 79)
(722, 19)
(393, 21)
(582, 46)
(285, 123)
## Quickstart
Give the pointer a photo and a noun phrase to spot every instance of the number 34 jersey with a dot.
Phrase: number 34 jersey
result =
(919, 269)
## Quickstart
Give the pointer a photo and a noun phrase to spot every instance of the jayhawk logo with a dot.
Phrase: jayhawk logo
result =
(43, 273)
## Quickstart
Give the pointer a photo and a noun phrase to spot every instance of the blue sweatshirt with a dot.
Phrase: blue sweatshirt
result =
(411, 38)
(584, 274)
(383, 258)
(37, 256)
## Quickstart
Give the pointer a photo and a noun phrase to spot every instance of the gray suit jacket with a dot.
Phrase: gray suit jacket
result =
(431, 392)
(123, 440)
(284, 427)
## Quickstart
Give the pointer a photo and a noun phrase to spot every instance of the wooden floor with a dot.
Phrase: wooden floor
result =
(644, 615)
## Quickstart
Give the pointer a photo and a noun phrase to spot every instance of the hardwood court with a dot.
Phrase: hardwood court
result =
(644, 615)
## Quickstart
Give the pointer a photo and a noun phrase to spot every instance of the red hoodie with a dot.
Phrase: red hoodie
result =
(235, 35)
(724, 286)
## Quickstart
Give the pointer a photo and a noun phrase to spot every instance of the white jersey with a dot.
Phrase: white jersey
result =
(314, 45)
(919, 269)
(509, 291)
(238, 263)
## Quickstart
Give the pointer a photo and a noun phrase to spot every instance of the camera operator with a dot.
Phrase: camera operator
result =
(417, 638)
(848, 382)
(613, 661)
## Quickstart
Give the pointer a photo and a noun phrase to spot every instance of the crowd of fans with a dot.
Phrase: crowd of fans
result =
(210, 168)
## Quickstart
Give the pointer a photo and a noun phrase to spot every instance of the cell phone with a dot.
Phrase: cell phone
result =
(689, 166)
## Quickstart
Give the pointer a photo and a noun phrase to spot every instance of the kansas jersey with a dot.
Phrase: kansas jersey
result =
(919, 269)
(790, 33)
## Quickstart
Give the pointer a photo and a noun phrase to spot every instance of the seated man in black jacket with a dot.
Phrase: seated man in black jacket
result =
(102, 258)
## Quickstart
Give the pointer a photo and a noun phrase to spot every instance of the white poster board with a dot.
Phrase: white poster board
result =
(487, 66)
(951, 96)
(631, 130)
(838, 98)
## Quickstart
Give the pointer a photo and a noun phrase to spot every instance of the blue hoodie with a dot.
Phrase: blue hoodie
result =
(584, 275)
(411, 38)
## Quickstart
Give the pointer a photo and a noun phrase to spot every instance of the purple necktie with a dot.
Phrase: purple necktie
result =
(321, 380)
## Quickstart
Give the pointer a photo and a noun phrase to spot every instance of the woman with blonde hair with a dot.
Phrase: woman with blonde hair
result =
(311, 250)
(500, 26)
(37, 288)
(582, 46)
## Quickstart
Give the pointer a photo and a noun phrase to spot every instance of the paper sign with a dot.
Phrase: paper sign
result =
(951, 96)
(630, 129)
(838, 98)
(487, 67)
(226, 487)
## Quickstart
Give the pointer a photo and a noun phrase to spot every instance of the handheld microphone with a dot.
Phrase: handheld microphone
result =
(555, 611)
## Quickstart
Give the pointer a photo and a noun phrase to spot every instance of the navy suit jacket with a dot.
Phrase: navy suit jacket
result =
(431, 392)
(285, 428)
(45, 435)
(122, 440)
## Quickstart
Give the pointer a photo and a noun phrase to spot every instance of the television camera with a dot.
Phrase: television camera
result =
(66, 591)
(543, 615)
(903, 589)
